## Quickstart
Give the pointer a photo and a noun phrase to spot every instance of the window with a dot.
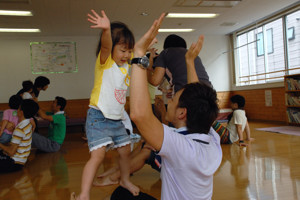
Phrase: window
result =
(291, 33)
(253, 65)
(260, 42)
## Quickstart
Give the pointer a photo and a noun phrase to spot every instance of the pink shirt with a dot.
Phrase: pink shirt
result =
(11, 116)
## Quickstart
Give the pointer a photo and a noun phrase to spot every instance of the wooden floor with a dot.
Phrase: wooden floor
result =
(267, 169)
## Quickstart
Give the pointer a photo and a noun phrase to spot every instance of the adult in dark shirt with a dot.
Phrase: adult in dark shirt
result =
(173, 59)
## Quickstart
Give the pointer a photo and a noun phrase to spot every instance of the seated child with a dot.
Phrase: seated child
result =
(10, 119)
(57, 128)
(14, 155)
(237, 123)
(27, 91)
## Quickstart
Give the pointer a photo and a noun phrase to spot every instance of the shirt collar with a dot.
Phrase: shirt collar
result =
(181, 129)
(59, 112)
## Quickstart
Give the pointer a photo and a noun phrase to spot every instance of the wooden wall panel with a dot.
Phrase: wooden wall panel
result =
(255, 105)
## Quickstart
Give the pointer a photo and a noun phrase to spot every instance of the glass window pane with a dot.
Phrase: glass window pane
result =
(260, 44)
(293, 45)
(275, 60)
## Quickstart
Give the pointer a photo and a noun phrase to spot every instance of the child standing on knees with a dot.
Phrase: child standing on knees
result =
(104, 127)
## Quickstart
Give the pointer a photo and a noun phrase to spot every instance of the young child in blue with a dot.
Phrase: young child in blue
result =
(104, 127)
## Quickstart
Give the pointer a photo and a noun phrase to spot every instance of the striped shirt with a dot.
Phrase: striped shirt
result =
(22, 136)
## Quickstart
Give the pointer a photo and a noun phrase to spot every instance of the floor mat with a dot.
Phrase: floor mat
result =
(290, 130)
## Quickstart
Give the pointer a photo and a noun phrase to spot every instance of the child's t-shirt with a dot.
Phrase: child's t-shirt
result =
(57, 128)
(110, 87)
(22, 136)
(26, 95)
(238, 117)
(11, 116)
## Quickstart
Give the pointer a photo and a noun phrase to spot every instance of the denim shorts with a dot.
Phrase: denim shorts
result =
(101, 131)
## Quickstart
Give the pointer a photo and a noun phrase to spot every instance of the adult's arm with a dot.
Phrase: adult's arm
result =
(140, 107)
(43, 115)
(156, 76)
(190, 57)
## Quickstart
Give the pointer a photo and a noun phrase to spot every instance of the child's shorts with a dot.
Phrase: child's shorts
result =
(101, 131)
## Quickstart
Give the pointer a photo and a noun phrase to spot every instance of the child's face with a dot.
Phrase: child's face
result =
(19, 112)
(55, 107)
(234, 105)
(121, 54)
(171, 115)
(45, 87)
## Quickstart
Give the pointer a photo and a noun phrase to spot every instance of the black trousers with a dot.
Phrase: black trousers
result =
(7, 164)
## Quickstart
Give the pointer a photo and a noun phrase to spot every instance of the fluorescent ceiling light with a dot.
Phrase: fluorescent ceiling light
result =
(176, 30)
(15, 13)
(20, 30)
(192, 15)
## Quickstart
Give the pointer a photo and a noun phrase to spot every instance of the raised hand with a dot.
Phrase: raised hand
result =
(142, 45)
(98, 21)
(194, 50)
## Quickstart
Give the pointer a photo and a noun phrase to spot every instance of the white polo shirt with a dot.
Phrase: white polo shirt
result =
(188, 166)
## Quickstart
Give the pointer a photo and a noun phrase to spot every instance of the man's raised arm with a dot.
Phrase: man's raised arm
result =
(140, 109)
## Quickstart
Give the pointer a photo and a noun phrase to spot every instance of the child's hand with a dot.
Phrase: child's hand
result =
(243, 144)
(10, 126)
(194, 50)
(141, 46)
(100, 22)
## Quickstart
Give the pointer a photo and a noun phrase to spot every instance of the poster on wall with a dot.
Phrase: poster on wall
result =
(53, 57)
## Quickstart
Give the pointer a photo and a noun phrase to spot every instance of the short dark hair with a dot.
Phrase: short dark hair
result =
(201, 103)
(240, 100)
(27, 85)
(29, 108)
(62, 102)
(41, 81)
(174, 41)
(119, 33)
(15, 101)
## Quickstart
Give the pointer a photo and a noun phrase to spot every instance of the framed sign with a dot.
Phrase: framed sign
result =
(53, 57)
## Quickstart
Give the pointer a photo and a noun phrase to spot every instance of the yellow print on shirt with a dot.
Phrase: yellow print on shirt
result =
(123, 70)
(127, 80)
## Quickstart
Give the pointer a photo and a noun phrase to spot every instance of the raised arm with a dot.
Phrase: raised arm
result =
(190, 57)
(104, 24)
(43, 115)
(140, 108)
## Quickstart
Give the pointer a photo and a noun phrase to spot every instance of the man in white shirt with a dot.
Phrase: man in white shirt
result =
(188, 161)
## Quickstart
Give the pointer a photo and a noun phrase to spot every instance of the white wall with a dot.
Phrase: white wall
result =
(15, 66)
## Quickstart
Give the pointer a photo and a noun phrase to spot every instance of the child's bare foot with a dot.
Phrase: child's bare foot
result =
(105, 181)
(131, 187)
(73, 196)
(108, 172)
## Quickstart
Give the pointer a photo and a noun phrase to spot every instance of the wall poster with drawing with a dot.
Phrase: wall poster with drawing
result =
(53, 57)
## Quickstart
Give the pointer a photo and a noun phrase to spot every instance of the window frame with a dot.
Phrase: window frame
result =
(236, 68)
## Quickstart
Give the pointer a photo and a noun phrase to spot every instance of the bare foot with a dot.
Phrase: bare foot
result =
(131, 187)
(73, 196)
(108, 172)
(105, 181)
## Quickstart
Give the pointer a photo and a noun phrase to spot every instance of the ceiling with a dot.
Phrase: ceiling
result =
(68, 17)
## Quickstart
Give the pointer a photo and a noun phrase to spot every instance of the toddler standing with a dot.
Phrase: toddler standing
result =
(104, 127)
